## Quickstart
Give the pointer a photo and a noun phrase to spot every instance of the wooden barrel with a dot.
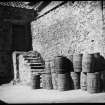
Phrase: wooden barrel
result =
(55, 81)
(99, 62)
(88, 63)
(103, 80)
(48, 81)
(77, 62)
(75, 80)
(62, 64)
(47, 66)
(43, 81)
(94, 82)
(35, 81)
(83, 81)
(53, 70)
(64, 82)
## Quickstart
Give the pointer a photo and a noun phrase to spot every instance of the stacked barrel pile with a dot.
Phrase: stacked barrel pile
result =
(77, 68)
(84, 71)
(58, 72)
(62, 67)
(92, 71)
(30, 66)
(46, 76)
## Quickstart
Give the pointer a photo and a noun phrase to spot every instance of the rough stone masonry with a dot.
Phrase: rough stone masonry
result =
(72, 28)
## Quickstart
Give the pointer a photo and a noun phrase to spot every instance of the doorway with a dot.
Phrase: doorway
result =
(21, 37)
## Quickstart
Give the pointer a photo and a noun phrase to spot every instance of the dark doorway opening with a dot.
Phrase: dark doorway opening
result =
(21, 37)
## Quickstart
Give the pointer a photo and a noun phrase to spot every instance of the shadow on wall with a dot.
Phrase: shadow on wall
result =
(99, 63)
(6, 67)
(62, 64)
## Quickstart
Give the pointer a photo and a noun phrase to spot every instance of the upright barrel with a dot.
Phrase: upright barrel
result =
(62, 64)
(77, 62)
(43, 81)
(94, 82)
(88, 63)
(75, 80)
(55, 81)
(53, 70)
(103, 80)
(64, 82)
(48, 81)
(83, 81)
(35, 81)
(47, 66)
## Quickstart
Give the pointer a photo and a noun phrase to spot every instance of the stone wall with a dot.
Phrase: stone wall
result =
(103, 29)
(72, 28)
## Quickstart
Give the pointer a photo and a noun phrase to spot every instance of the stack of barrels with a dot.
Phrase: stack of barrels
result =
(83, 71)
(92, 78)
(47, 77)
(87, 73)
(61, 73)
(77, 68)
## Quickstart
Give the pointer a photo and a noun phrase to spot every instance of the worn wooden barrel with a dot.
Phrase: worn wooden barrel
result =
(99, 62)
(62, 64)
(55, 81)
(88, 63)
(53, 70)
(48, 81)
(83, 81)
(64, 82)
(47, 66)
(77, 62)
(35, 81)
(43, 81)
(75, 80)
(94, 82)
(103, 80)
